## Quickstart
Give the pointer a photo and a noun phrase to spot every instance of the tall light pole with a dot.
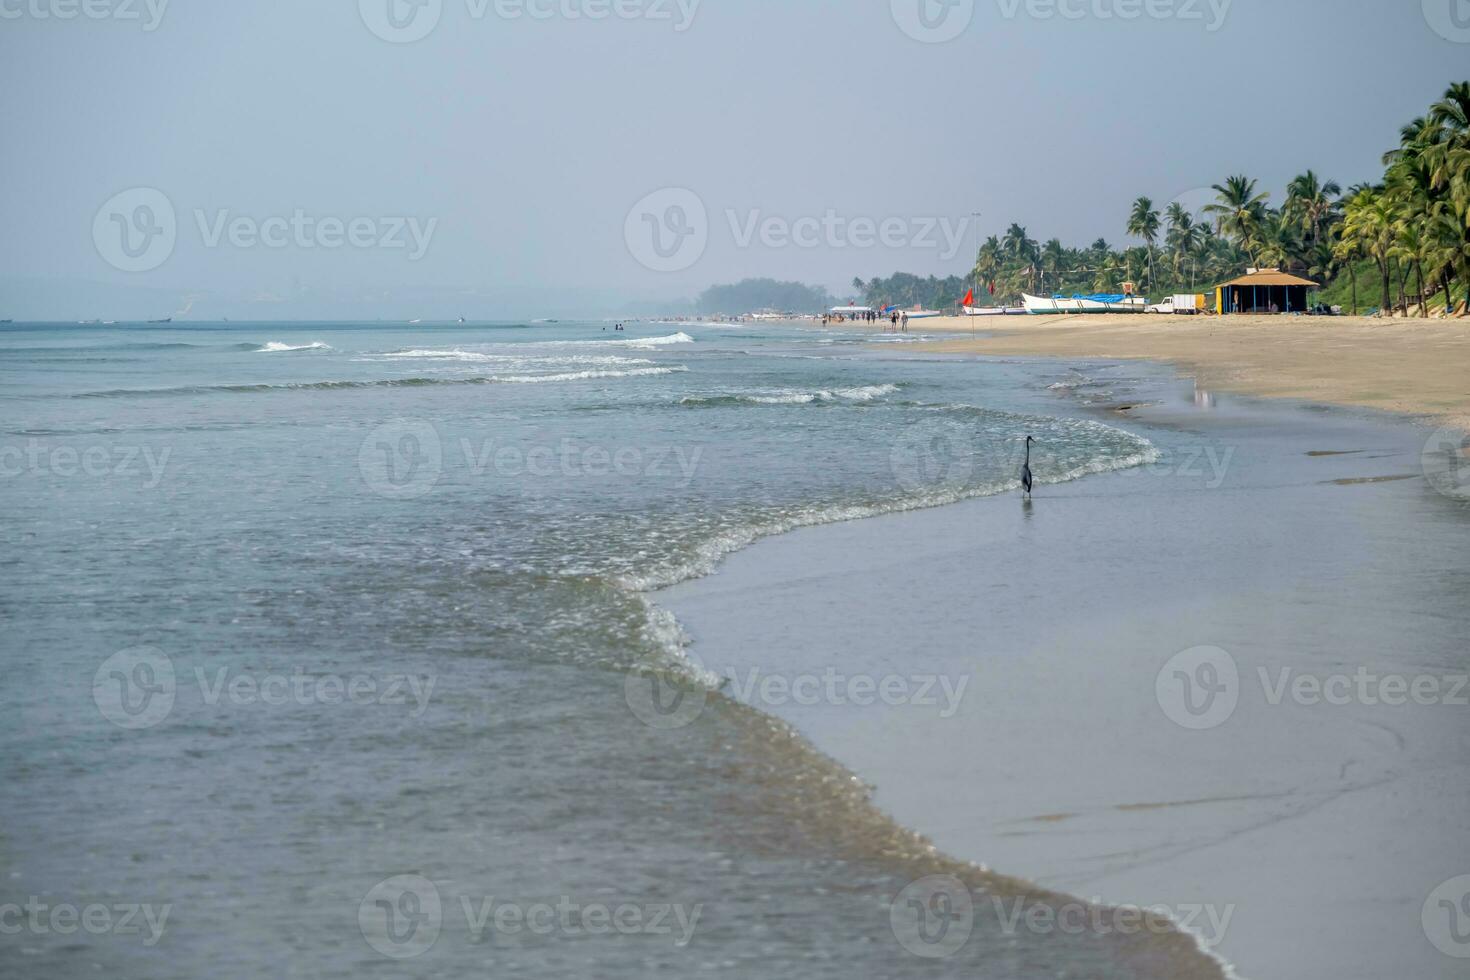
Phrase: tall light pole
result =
(975, 265)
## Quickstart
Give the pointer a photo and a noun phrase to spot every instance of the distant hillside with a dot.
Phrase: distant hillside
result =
(763, 294)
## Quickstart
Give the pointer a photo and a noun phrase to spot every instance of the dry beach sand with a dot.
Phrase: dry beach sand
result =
(1416, 367)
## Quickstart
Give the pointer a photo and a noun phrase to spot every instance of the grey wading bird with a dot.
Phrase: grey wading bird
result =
(1026, 481)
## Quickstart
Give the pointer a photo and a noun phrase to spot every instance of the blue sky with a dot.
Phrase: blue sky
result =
(823, 139)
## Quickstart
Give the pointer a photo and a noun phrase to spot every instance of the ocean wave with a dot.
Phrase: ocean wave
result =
(276, 347)
(385, 383)
(670, 340)
(477, 357)
(864, 393)
(589, 375)
(707, 555)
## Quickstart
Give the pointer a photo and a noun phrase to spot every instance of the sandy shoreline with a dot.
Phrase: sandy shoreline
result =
(1414, 367)
(1312, 831)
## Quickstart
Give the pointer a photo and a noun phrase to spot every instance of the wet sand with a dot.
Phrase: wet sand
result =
(1303, 838)
(1415, 367)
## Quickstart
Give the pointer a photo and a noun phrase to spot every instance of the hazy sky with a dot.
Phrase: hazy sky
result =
(318, 163)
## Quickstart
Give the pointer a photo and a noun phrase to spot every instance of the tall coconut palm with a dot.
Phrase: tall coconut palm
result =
(1312, 202)
(1018, 247)
(1143, 222)
(1276, 241)
(1053, 261)
(1183, 239)
(1369, 225)
(988, 262)
(1238, 209)
(1447, 157)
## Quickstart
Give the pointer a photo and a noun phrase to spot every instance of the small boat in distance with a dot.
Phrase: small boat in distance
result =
(1092, 303)
(167, 319)
(921, 314)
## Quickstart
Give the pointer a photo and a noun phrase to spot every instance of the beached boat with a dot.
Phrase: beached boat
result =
(921, 314)
(995, 311)
(1093, 303)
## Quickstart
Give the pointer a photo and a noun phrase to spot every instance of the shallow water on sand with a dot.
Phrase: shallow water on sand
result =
(327, 642)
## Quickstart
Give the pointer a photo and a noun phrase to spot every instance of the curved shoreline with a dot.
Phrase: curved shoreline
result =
(751, 578)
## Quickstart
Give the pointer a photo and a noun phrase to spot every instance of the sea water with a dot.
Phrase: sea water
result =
(323, 644)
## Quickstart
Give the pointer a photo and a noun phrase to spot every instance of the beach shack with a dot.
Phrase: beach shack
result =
(1264, 291)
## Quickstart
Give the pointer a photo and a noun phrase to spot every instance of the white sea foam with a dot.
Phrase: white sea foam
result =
(477, 357)
(709, 554)
(529, 379)
(678, 338)
(276, 347)
(865, 393)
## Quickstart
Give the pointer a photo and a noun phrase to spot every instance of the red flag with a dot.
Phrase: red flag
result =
(969, 298)
(992, 287)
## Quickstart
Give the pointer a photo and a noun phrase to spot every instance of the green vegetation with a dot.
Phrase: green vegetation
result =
(753, 295)
(1379, 246)
(908, 291)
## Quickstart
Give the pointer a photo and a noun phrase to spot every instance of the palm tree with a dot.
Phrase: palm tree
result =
(1019, 247)
(1447, 157)
(1346, 252)
(1183, 238)
(1276, 241)
(1311, 202)
(987, 263)
(1054, 260)
(1369, 225)
(1238, 209)
(1143, 222)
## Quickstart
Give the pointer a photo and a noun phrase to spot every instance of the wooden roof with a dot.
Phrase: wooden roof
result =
(1268, 277)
